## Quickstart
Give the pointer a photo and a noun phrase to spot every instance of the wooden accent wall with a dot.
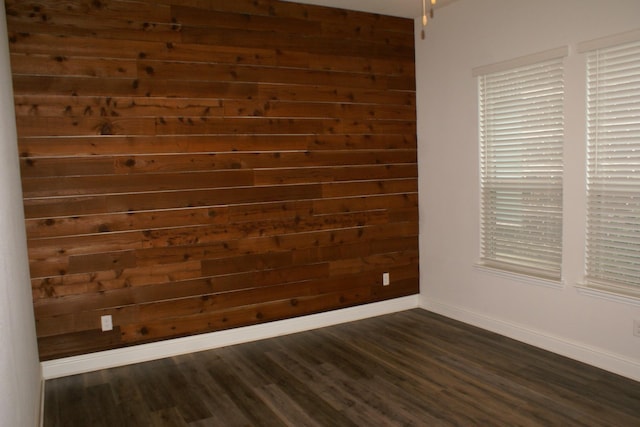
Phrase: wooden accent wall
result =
(195, 165)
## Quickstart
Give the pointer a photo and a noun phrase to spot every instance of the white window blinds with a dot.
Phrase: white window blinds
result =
(613, 175)
(521, 138)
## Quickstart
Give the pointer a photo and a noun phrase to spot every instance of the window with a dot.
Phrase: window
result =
(521, 138)
(613, 168)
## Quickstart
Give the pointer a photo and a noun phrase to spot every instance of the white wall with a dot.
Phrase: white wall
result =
(20, 376)
(472, 33)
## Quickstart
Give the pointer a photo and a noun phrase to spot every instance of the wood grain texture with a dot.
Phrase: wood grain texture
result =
(412, 368)
(190, 166)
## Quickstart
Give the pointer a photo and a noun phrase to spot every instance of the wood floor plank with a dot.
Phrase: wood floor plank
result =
(523, 371)
(224, 411)
(101, 407)
(430, 381)
(168, 417)
(299, 390)
(412, 368)
(242, 394)
(473, 383)
(285, 407)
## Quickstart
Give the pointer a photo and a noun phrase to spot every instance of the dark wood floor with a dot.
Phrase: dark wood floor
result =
(406, 369)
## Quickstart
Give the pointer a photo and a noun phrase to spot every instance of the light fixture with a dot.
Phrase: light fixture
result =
(424, 14)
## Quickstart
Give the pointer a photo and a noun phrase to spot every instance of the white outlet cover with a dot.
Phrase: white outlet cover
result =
(106, 322)
(385, 279)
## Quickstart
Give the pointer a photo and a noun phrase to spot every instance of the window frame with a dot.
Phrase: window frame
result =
(487, 261)
(601, 147)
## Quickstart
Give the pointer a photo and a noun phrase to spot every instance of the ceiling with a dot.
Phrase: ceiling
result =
(403, 8)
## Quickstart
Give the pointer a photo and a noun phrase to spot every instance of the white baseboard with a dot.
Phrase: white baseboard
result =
(593, 356)
(173, 347)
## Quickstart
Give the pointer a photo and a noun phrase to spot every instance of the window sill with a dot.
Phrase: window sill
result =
(520, 277)
(608, 294)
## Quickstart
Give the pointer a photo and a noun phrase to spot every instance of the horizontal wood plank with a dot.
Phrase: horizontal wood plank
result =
(43, 147)
(204, 162)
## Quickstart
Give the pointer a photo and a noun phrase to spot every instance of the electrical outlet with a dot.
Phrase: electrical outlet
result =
(636, 328)
(106, 322)
(385, 279)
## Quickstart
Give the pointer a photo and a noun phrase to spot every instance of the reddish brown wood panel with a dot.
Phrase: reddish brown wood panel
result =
(190, 166)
